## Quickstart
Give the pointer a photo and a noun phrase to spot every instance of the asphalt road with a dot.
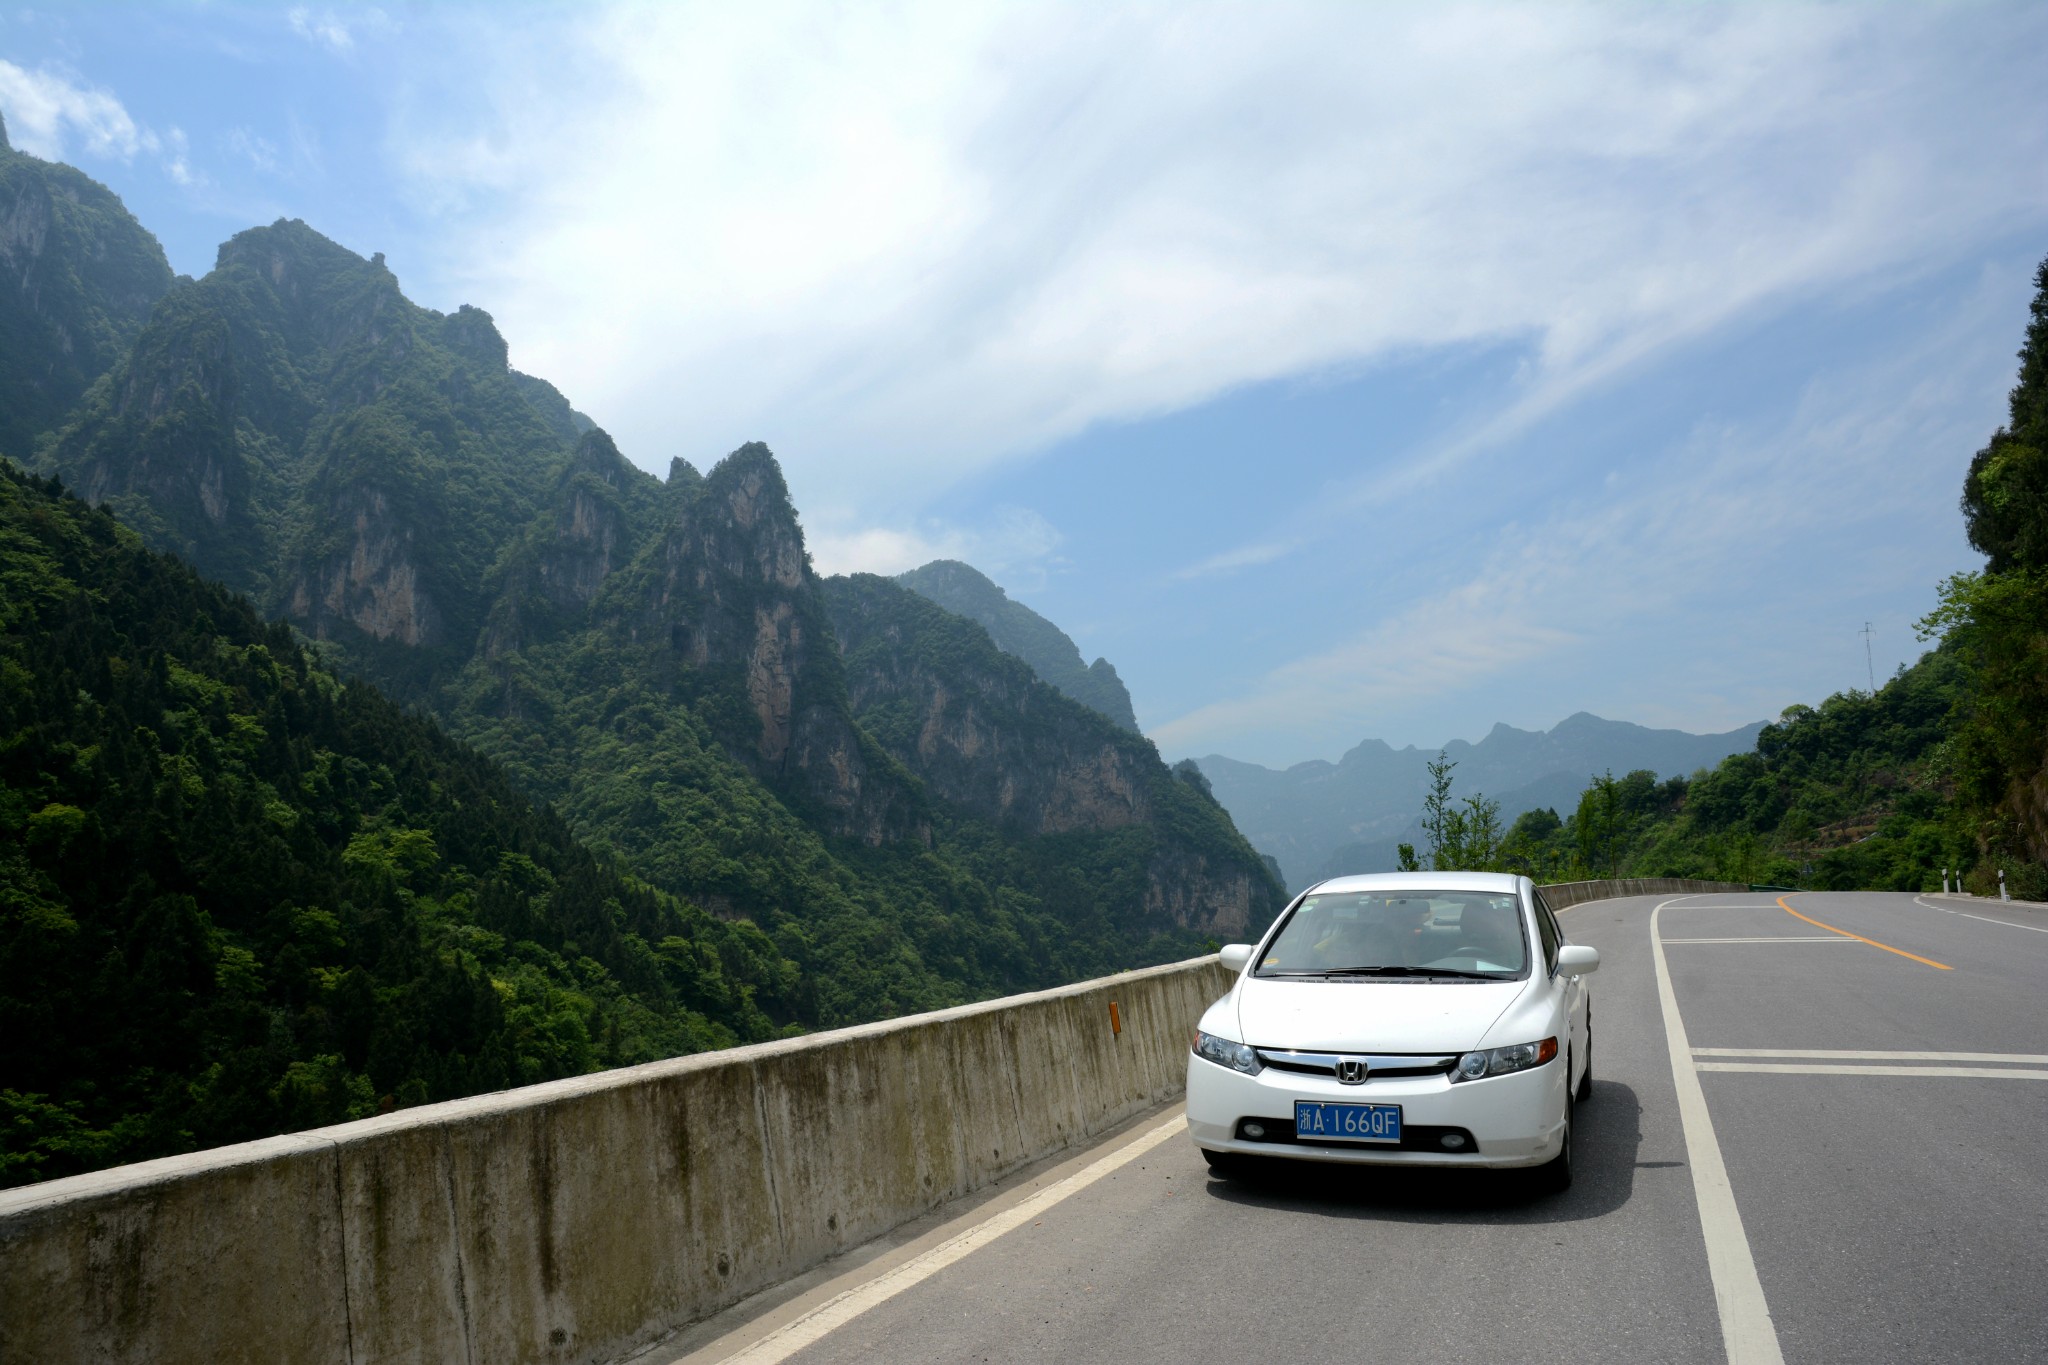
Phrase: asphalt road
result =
(1884, 1217)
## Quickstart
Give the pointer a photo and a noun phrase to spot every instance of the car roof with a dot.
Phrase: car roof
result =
(1422, 881)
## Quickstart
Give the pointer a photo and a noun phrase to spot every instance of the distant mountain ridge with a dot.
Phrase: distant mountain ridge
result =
(966, 591)
(1322, 819)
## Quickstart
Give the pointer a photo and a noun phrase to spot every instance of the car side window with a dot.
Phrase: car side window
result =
(1552, 936)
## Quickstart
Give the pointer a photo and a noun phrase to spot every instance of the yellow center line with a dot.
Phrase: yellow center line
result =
(1860, 939)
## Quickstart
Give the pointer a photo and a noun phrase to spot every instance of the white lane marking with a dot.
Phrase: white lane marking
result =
(2039, 929)
(787, 1340)
(1761, 905)
(1843, 1055)
(1747, 1332)
(1769, 938)
(1869, 1069)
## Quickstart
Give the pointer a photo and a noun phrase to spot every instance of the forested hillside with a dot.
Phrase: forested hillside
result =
(239, 896)
(250, 893)
(1855, 793)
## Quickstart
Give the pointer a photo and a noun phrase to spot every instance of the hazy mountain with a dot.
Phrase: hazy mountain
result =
(1016, 629)
(78, 276)
(1321, 819)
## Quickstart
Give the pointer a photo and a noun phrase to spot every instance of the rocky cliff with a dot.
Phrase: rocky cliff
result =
(990, 738)
(78, 277)
(1016, 629)
(295, 426)
(727, 600)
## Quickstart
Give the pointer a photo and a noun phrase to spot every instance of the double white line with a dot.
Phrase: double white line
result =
(2022, 1065)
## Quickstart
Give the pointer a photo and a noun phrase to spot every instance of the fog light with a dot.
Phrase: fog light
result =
(1255, 1131)
(1453, 1141)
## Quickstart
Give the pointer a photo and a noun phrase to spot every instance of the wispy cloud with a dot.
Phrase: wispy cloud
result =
(329, 29)
(1243, 557)
(257, 150)
(912, 243)
(1707, 532)
(54, 116)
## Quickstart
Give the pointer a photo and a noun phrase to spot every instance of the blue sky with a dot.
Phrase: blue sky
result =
(1336, 370)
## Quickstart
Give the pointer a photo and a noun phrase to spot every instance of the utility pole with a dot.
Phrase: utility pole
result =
(1868, 661)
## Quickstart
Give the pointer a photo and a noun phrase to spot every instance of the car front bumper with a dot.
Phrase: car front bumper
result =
(1514, 1120)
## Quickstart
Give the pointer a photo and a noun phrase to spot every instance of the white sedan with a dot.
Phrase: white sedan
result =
(1403, 1019)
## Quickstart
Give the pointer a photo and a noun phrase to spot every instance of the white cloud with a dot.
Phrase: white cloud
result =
(906, 242)
(55, 117)
(46, 111)
(326, 28)
(1015, 548)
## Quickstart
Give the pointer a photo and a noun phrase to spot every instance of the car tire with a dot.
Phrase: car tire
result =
(1223, 1163)
(1585, 1090)
(1555, 1175)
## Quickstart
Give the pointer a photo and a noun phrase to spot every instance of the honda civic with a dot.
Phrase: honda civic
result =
(1403, 1019)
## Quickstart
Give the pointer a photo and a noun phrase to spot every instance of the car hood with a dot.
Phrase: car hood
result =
(1371, 1016)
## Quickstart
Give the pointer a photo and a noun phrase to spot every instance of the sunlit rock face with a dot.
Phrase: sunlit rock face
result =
(989, 737)
(731, 601)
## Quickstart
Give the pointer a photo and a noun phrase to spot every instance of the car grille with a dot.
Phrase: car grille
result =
(1379, 1065)
(1415, 1137)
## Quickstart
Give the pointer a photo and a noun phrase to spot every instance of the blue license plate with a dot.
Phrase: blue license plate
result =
(1347, 1122)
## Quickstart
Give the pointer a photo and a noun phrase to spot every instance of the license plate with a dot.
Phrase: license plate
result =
(1347, 1122)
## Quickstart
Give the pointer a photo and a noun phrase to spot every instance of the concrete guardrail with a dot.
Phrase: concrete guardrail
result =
(579, 1220)
(1558, 895)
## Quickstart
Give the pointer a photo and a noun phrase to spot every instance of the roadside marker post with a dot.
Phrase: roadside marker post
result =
(2001, 885)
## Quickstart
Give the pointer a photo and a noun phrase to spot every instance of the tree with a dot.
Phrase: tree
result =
(1596, 826)
(1463, 836)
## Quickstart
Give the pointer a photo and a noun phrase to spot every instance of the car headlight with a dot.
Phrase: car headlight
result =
(1223, 1052)
(1501, 1061)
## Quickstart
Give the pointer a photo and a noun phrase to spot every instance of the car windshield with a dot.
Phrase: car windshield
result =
(1400, 933)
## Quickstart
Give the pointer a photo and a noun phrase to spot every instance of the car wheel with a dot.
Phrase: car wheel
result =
(1223, 1163)
(1555, 1175)
(1585, 1090)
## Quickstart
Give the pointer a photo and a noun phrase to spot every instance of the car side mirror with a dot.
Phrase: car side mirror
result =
(1235, 955)
(1577, 959)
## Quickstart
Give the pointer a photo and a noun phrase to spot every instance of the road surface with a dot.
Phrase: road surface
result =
(1844, 1158)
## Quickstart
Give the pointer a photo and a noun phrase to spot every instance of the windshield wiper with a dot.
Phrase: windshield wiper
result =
(1411, 971)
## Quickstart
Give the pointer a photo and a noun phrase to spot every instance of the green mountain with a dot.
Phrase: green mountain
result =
(78, 276)
(664, 666)
(240, 896)
(655, 660)
(1016, 629)
(293, 426)
(1089, 802)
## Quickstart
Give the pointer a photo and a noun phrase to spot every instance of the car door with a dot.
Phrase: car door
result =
(1574, 987)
